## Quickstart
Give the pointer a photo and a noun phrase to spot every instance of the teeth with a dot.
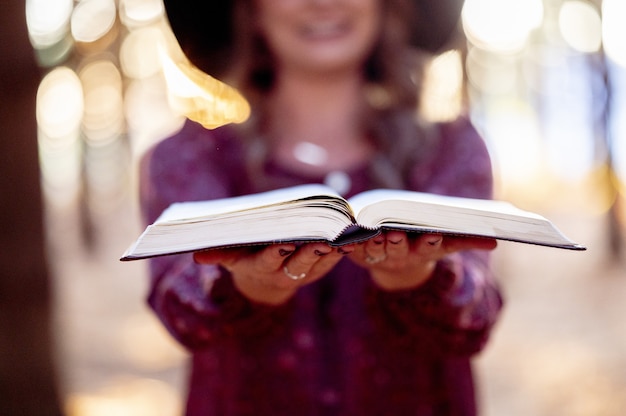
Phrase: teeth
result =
(323, 29)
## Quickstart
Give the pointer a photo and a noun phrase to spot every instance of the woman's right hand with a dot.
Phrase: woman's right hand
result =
(274, 273)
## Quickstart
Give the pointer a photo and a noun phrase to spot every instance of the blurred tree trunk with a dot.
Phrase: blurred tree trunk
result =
(27, 373)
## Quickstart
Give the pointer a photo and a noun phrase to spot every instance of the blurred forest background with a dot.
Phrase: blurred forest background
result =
(83, 96)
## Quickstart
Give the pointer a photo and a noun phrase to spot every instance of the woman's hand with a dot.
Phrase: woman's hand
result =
(398, 261)
(272, 274)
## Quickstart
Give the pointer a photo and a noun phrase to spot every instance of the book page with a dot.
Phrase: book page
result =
(358, 202)
(412, 211)
(304, 213)
(186, 211)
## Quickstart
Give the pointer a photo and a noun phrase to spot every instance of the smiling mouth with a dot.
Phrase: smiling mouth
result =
(325, 30)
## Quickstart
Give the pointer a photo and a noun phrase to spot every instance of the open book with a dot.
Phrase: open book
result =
(317, 213)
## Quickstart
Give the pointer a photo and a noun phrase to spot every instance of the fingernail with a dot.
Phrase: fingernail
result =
(320, 253)
(435, 242)
(342, 250)
(284, 253)
(395, 241)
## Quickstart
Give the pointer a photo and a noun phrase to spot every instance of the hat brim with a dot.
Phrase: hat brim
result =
(204, 30)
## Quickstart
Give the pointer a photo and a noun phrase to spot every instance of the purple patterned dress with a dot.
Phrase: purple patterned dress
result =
(341, 346)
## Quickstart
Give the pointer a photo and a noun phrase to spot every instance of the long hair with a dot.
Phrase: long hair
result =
(393, 79)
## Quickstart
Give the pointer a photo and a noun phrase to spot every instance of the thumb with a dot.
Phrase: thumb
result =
(225, 257)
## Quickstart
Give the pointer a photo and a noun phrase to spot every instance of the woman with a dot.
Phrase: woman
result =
(383, 327)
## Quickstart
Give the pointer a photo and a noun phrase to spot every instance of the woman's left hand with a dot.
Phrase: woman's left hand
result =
(397, 260)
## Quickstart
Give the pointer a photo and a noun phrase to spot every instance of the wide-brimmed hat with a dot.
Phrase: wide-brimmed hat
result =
(204, 30)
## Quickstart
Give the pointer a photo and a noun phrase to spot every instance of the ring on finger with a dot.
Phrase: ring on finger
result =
(373, 260)
(293, 276)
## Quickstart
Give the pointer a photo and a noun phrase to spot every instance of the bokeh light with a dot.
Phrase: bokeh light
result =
(139, 56)
(148, 113)
(514, 136)
(59, 113)
(138, 13)
(48, 24)
(581, 25)
(60, 103)
(103, 117)
(92, 19)
(442, 97)
(48, 21)
(614, 30)
(501, 25)
(491, 74)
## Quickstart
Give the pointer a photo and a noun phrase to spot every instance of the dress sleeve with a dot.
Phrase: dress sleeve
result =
(196, 303)
(453, 312)
(459, 305)
(199, 303)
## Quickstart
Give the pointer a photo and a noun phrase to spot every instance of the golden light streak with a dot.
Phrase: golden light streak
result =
(199, 96)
